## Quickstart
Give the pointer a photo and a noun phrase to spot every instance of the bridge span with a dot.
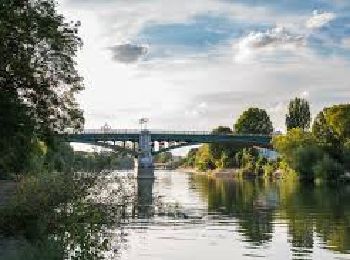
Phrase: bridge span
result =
(144, 144)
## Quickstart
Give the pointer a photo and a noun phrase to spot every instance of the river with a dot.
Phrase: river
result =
(185, 216)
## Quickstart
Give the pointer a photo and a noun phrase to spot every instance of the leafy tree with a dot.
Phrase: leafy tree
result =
(38, 79)
(294, 139)
(16, 135)
(333, 121)
(327, 168)
(302, 153)
(299, 115)
(216, 150)
(163, 157)
(304, 159)
(191, 157)
(37, 66)
(203, 160)
(254, 121)
(332, 129)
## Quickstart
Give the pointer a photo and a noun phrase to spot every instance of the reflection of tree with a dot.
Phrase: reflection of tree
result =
(321, 209)
(245, 200)
(309, 210)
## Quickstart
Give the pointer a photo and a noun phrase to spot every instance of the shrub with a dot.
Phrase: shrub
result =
(328, 168)
(303, 160)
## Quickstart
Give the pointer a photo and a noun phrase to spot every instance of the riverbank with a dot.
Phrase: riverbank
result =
(229, 173)
(235, 173)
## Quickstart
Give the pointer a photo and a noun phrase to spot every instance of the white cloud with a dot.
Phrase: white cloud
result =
(123, 20)
(165, 89)
(198, 110)
(277, 38)
(319, 20)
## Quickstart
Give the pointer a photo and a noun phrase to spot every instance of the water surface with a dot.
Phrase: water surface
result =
(186, 216)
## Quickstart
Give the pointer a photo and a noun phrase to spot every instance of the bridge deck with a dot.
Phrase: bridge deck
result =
(93, 136)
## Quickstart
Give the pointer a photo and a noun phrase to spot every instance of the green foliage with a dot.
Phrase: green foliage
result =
(269, 169)
(223, 153)
(302, 152)
(287, 144)
(338, 118)
(325, 134)
(328, 168)
(38, 81)
(40, 250)
(216, 149)
(251, 162)
(254, 121)
(303, 160)
(190, 159)
(50, 211)
(204, 161)
(96, 162)
(299, 115)
(163, 157)
(37, 63)
(346, 155)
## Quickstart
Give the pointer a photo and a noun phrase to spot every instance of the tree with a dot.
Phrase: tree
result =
(163, 157)
(287, 144)
(326, 135)
(254, 121)
(38, 79)
(191, 157)
(337, 119)
(303, 153)
(216, 149)
(332, 129)
(37, 66)
(299, 115)
(204, 161)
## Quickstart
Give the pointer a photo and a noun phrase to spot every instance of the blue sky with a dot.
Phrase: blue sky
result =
(198, 64)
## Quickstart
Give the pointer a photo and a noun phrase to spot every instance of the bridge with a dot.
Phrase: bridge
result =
(144, 144)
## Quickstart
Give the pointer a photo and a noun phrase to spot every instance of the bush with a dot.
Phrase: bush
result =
(303, 160)
(346, 155)
(328, 169)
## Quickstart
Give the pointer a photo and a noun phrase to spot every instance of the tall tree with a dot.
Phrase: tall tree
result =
(299, 115)
(37, 64)
(254, 121)
(38, 78)
(331, 127)
(216, 149)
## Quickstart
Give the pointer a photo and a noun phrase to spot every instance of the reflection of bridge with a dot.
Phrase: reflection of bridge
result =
(146, 143)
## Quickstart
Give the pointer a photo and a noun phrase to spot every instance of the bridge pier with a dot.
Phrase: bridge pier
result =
(144, 166)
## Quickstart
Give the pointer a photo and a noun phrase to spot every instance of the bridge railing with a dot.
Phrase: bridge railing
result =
(155, 132)
(136, 131)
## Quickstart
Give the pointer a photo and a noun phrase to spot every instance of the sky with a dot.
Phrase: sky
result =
(194, 65)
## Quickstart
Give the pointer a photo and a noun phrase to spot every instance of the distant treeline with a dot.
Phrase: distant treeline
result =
(322, 152)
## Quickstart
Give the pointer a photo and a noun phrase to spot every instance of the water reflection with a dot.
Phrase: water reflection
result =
(184, 216)
(315, 216)
(145, 206)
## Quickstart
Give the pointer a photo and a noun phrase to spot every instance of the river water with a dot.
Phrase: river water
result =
(185, 216)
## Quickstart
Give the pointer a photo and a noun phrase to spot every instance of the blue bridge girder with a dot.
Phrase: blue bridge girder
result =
(104, 138)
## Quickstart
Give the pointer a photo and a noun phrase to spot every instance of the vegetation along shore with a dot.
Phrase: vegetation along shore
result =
(317, 152)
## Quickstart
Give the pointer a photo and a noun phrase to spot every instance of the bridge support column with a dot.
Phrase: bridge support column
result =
(144, 162)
